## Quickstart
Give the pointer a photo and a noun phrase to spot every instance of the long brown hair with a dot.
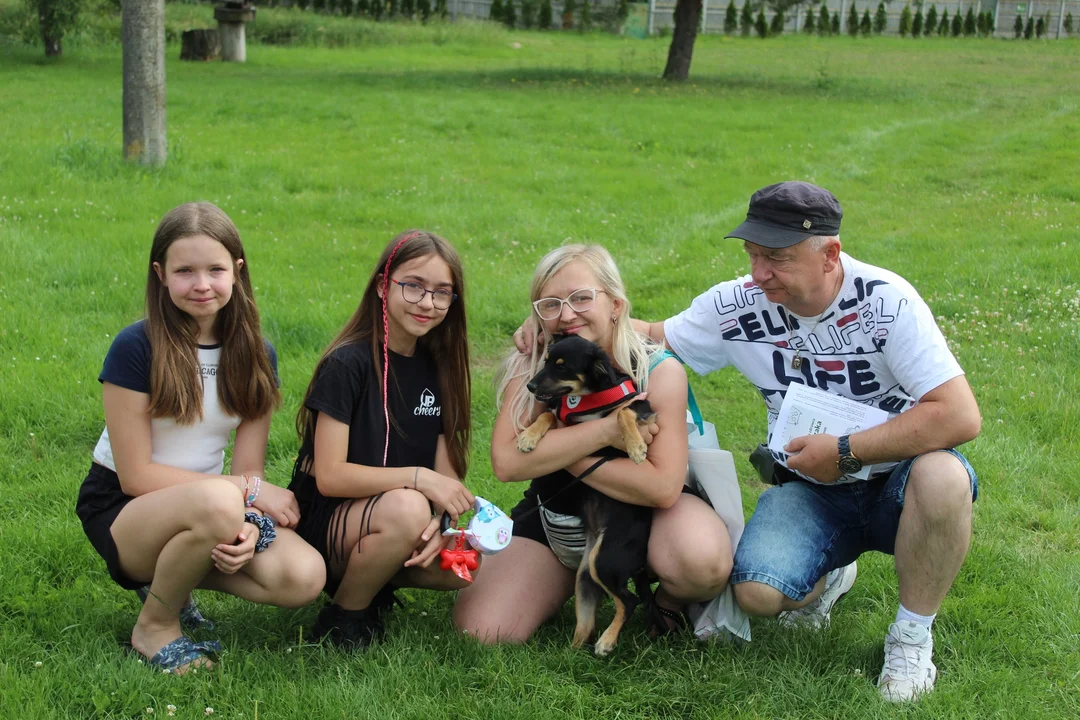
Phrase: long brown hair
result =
(246, 385)
(446, 343)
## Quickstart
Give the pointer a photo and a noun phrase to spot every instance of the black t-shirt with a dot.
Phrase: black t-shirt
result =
(347, 389)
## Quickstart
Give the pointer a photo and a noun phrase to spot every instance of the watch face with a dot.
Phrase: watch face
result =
(849, 465)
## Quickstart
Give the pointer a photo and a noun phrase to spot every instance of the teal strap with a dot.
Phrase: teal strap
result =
(691, 401)
(695, 412)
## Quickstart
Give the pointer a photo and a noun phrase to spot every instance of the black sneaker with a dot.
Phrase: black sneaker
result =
(382, 605)
(347, 629)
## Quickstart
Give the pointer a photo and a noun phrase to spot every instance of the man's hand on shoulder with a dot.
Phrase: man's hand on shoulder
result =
(815, 456)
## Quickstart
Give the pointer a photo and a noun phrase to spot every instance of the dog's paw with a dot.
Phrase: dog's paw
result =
(581, 636)
(527, 442)
(603, 647)
(637, 451)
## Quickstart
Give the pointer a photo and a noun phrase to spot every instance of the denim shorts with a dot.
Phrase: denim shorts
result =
(802, 530)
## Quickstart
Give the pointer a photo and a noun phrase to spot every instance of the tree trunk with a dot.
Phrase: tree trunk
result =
(200, 45)
(143, 31)
(687, 16)
(51, 34)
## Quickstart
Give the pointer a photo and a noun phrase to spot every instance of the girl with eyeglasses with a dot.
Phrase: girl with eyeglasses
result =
(577, 289)
(384, 431)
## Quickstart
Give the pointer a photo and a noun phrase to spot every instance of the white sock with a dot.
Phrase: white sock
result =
(904, 614)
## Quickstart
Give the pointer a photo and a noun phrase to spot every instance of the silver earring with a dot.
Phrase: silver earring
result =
(614, 319)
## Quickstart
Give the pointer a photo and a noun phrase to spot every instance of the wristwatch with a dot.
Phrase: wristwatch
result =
(848, 463)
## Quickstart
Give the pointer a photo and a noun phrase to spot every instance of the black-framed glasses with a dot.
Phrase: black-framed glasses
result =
(579, 301)
(415, 292)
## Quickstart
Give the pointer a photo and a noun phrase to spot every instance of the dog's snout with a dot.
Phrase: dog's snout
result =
(532, 386)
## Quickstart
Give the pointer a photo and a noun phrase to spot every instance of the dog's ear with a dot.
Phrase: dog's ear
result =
(556, 338)
(602, 371)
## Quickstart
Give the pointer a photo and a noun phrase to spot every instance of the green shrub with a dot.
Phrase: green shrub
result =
(808, 24)
(746, 20)
(834, 25)
(495, 12)
(881, 18)
(917, 24)
(1040, 28)
(776, 27)
(824, 24)
(905, 21)
(544, 15)
(943, 26)
(866, 26)
(852, 26)
(1068, 24)
(423, 9)
(957, 24)
(930, 26)
(731, 19)
(970, 27)
(1029, 29)
(761, 26)
(568, 9)
(586, 16)
(509, 14)
(528, 14)
(440, 9)
(1018, 27)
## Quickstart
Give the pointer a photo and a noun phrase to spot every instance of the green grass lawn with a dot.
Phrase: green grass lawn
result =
(956, 162)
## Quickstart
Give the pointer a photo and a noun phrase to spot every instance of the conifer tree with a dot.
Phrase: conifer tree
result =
(905, 21)
(852, 26)
(824, 23)
(495, 12)
(1068, 24)
(809, 24)
(1040, 28)
(543, 18)
(881, 18)
(509, 14)
(930, 26)
(731, 19)
(761, 26)
(834, 25)
(746, 20)
(776, 27)
(970, 28)
(865, 25)
(957, 24)
(1029, 29)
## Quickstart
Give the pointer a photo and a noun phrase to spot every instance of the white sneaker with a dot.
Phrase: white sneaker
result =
(815, 616)
(909, 670)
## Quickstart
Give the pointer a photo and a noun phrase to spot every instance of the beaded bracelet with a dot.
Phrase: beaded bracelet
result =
(252, 493)
(267, 533)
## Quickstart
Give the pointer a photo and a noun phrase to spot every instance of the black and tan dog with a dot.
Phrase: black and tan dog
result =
(579, 383)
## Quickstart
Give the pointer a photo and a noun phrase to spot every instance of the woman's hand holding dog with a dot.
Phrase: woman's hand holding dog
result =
(614, 432)
(445, 492)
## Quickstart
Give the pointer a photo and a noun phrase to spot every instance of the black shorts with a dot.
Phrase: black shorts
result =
(100, 500)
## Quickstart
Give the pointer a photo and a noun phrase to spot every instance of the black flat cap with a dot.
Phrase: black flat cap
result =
(787, 213)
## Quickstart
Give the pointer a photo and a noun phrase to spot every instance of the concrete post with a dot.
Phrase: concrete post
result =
(231, 18)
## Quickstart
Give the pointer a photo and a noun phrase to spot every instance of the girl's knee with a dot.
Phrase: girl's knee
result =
(404, 512)
(303, 581)
(217, 509)
(759, 599)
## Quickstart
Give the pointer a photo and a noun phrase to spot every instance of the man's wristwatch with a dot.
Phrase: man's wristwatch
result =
(848, 463)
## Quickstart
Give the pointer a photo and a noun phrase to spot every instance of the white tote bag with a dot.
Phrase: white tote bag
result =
(711, 473)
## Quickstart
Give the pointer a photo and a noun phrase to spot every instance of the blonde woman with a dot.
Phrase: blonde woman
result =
(577, 289)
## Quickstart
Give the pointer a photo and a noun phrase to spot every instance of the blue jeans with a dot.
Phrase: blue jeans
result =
(801, 530)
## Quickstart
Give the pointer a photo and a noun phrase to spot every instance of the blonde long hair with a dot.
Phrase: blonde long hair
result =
(631, 351)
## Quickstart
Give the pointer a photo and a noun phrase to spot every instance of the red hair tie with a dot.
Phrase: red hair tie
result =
(386, 338)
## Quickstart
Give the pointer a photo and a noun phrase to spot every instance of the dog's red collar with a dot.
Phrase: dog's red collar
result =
(573, 407)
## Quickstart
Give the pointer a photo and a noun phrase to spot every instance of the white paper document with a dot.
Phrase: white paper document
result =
(809, 411)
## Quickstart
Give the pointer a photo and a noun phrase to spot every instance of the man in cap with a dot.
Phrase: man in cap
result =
(811, 314)
(808, 313)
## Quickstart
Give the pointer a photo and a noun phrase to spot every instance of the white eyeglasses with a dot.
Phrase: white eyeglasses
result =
(579, 301)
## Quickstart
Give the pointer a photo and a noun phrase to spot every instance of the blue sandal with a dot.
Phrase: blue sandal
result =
(190, 617)
(183, 651)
